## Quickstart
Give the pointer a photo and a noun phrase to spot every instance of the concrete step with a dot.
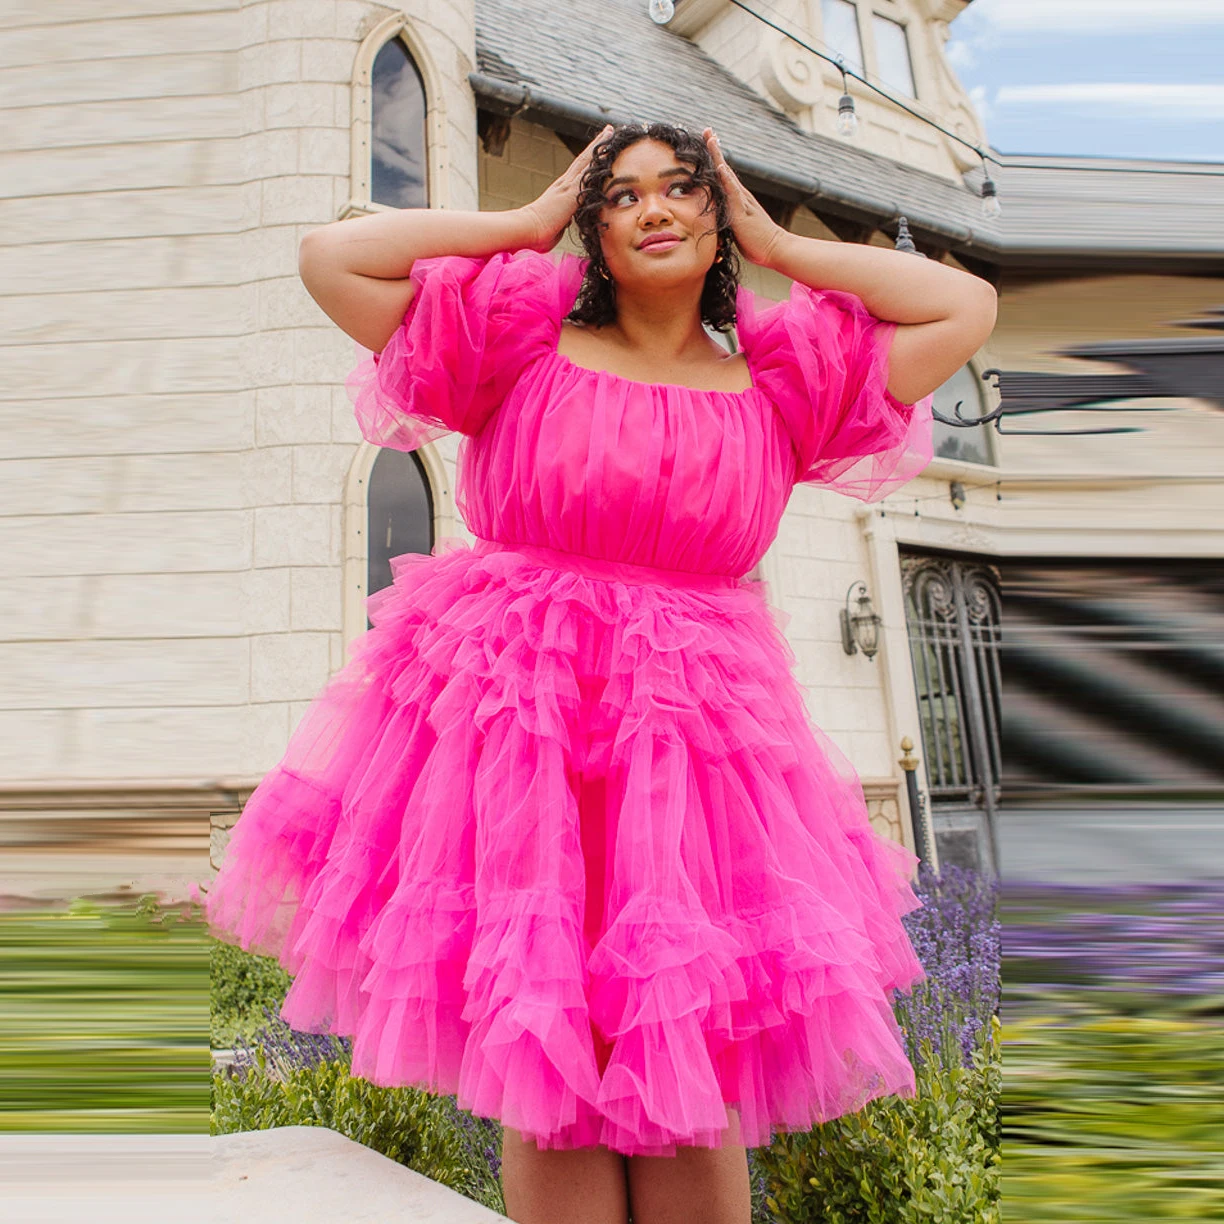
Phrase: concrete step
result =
(309, 1175)
(293, 1175)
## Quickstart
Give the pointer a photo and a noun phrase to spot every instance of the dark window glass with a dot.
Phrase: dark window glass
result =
(973, 445)
(397, 136)
(399, 516)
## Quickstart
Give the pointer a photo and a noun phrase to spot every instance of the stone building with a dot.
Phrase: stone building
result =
(191, 521)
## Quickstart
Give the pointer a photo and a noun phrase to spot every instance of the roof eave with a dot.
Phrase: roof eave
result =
(575, 119)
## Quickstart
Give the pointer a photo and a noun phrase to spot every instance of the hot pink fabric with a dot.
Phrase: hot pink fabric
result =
(562, 838)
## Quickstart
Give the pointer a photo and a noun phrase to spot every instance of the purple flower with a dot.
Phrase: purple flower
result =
(286, 1050)
(956, 936)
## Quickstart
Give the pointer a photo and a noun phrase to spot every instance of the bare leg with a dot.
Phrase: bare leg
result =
(696, 1186)
(583, 1186)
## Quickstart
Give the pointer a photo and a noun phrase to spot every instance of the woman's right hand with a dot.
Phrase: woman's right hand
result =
(547, 217)
(358, 270)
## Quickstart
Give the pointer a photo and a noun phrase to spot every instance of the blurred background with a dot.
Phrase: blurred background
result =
(191, 523)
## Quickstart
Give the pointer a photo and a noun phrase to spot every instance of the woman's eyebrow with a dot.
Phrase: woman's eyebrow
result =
(675, 172)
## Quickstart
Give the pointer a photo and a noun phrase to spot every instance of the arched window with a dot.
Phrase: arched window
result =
(399, 515)
(972, 445)
(398, 151)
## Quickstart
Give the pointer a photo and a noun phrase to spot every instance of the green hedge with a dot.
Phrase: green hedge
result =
(102, 1019)
(244, 988)
(1113, 1118)
(898, 1161)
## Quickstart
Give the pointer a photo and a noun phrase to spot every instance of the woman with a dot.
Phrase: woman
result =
(561, 839)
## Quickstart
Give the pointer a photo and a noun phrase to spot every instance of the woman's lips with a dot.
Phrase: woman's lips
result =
(661, 244)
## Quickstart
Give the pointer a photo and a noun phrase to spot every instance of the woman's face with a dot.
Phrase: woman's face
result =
(659, 228)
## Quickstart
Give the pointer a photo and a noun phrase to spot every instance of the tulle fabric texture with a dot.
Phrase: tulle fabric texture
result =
(470, 328)
(568, 847)
(420, 858)
(823, 361)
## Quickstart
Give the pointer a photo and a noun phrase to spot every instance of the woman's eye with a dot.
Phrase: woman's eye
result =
(619, 198)
(684, 188)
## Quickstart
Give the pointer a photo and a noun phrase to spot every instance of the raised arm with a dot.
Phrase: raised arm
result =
(944, 315)
(357, 270)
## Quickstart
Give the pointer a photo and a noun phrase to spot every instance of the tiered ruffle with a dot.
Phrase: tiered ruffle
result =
(417, 861)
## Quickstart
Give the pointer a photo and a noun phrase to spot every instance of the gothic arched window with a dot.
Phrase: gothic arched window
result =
(399, 515)
(398, 153)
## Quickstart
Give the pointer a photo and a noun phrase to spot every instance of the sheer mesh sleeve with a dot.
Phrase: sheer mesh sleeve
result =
(468, 332)
(822, 358)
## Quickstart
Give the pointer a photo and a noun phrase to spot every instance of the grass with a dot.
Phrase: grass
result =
(102, 1021)
(1113, 1087)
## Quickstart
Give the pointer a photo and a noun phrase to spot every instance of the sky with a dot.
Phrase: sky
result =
(1117, 78)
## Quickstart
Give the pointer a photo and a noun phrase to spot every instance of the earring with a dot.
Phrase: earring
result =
(603, 272)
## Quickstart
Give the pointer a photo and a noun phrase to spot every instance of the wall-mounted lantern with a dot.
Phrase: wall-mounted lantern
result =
(860, 625)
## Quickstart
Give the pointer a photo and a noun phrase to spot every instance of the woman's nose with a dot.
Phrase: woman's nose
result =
(655, 208)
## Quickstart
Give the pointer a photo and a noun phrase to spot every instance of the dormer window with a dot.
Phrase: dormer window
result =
(893, 65)
(841, 32)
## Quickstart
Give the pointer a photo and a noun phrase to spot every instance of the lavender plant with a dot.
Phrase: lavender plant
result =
(1132, 949)
(956, 935)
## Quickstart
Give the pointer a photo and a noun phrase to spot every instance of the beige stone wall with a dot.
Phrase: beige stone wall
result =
(177, 435)
(182, 514)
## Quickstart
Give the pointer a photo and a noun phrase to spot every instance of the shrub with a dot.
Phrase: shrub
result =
(934, 1157)
(284, 1078)
(102, 1019)
(1114, 1051)
(243, 987)
(898, 1161)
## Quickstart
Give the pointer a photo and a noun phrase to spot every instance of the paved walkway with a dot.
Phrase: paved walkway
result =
(294, 1175)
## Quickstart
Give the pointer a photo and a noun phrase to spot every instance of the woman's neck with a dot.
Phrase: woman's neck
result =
(662, 324)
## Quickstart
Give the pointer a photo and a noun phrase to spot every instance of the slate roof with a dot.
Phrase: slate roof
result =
(575, 64)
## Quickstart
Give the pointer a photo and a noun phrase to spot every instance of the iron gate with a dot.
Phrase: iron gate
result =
(953, 613)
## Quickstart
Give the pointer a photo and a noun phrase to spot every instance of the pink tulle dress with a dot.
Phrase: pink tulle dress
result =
(561, 838)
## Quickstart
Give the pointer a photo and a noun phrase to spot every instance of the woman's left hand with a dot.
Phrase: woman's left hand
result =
(756, 233)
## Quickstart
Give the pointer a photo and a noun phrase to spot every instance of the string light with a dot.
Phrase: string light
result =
(847, 120)
(661, 11)
(990, 194)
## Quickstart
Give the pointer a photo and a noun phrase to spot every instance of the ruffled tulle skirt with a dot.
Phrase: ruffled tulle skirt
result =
(571, 849)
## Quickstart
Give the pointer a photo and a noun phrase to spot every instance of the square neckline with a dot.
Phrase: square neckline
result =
(751, 389)
(580, 265)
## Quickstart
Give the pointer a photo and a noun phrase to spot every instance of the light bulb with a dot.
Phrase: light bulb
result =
(990, 198)
(847, 120)
(661, 11)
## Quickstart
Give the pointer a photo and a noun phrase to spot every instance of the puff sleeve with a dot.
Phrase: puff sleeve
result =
(822, 359)
(467, 334)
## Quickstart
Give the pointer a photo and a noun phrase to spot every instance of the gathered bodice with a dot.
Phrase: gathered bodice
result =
(649, 474)
(654, 474)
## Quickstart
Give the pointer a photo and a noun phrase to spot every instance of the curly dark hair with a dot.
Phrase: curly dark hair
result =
(596, 301)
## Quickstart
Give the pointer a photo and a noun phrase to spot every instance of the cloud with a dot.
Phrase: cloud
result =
(962, 55)
(1147, 98)
(981, 102)
(1099, 16)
